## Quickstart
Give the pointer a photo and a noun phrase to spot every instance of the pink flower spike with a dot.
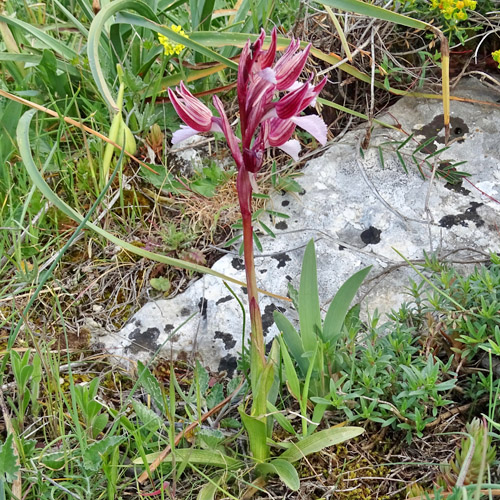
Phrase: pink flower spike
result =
(292, 103)
(267, 57)
(290, 66)
(314, 125)
(190, 110)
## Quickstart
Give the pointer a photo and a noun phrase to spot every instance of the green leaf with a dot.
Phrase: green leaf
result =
(99, 423)
(92, 456)
(213, 458)
(340, 305)
(292, 340)
(8, 466)
(291, 375)
(284, 469)
(371, 10)
(151, 385)
(205, 187)
(54, 461)
(216, 395)
(161, 284)
(208, 491)
(309, 310)
(320, 440)
(281, 419)
(257, 433)
(149, 419)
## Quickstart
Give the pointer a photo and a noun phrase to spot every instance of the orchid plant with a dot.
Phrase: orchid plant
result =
(271, 100)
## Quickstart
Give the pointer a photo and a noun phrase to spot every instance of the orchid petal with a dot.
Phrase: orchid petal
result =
(292, 104)
(223, 124)
(280, 131)
(183, 133)
(269, 75)
(290, 68)
(314, 125)
(190, 110)
(267, 57)
(291, 148)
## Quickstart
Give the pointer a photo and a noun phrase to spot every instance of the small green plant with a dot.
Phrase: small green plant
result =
(27, 371)
(474, 454)
(92, 413)
(452, 14)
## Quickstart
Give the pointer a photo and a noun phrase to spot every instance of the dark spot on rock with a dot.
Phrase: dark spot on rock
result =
(458, 129)
(185, 311)
(288, 278)
(282, 225)
(303, 192)
(285, 203)
(168, 330)
(143, 340)
(371, 236)
(228, 364)
(137, 323)
(470, 214)
(238, 264)
(457, 187)
(227, 298)
(262, 271)
(341, 247)
(268, 318)
(244, 289)
(202, 306)
(227, 338)
(282, 259)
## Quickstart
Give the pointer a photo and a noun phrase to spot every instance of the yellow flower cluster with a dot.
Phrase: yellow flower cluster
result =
(496, 56)
(172, 48)
(456, 9)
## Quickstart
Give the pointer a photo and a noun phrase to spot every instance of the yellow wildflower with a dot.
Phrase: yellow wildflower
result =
(470, 4)
(496, 57)
(461, 15)
(172, 48)
(460, 5)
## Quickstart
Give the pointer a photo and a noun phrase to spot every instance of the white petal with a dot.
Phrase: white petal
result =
(314, 125)
(216, 127)
(269, 75)
(292, 148)
(183, 133)
(295, 86)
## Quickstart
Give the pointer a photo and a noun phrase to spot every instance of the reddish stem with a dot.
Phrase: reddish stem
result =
(257, 335)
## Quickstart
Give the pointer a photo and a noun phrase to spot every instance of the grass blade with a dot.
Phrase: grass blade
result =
(95, 31)
(51, 43)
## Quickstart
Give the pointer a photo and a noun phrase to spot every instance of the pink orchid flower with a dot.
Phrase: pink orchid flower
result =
(267, 120)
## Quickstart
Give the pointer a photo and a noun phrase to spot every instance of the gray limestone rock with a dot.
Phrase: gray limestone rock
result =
(359, 211)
